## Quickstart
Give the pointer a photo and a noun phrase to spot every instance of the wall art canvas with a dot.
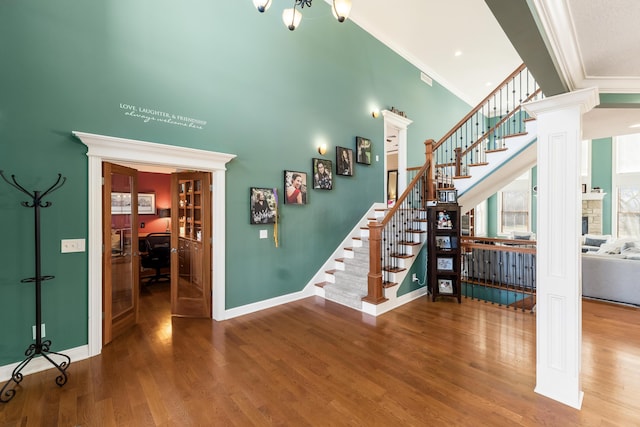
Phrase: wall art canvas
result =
(295, 188)
(264, 205)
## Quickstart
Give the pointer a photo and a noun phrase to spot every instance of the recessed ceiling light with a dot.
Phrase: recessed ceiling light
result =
(458, 53)
(488, 84)
(637, 125)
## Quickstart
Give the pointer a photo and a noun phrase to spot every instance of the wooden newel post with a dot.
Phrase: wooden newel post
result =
(374, 279)
(458, 154)
(428, 151)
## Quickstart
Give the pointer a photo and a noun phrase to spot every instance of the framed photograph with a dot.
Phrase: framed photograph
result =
(445, 264)
(363, 150)
(584, 188)
(443, 219)
(264, 205)
(121, 203)
(445, 286)
(322, 175)
(344, 161)
(295, 188)
(443, 242)
(447, 196)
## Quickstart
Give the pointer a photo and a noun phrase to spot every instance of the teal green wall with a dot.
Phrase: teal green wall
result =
(492, 216)
(601, 176)
(267, 95)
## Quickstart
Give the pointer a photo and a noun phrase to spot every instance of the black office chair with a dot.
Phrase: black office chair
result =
(156, 254)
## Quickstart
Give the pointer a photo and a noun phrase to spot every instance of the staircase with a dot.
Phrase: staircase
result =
(491, 145)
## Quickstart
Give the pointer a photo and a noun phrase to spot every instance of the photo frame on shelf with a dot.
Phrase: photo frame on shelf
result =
(448, 196)
(444, 221)
(443, 242)
(445, 286)
(344, 161)
(584, 188)
(444, 264)
(264, 205)
(295, 188)
(321, 169)
(363, 150)
(121, 203)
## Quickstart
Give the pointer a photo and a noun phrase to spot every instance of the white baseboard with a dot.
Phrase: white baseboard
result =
(38, 364)
(269, 303)
(379, 309)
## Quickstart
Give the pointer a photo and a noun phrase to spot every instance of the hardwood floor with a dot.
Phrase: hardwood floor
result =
(314, 362)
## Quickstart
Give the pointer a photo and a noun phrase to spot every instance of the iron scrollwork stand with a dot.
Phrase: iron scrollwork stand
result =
(39, 347)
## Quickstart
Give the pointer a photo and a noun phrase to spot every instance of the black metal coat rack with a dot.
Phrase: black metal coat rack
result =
(39, 347)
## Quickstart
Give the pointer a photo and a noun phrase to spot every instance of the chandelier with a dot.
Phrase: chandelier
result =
(293, 16)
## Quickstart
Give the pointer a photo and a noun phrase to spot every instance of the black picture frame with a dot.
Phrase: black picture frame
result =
(263, 204)
(363, 150)
(344, 161)
(322, 180)
(295, 188)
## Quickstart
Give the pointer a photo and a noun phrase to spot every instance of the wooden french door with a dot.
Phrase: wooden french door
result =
(191, 244)
(120, 260)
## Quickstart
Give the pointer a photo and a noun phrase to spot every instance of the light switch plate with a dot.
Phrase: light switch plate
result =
(263, 234)
(72, 245)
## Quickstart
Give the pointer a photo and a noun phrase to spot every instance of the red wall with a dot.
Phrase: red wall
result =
(160, 184)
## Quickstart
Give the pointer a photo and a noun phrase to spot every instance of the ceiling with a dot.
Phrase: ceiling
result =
(470, 46)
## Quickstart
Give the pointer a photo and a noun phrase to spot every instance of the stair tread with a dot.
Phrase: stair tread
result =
(461, 176)
(496, 150)
(403, 256)
(389, 284)
(402, 242)
(478, 164)
(321, 284)
(394, 269)
(513, 135)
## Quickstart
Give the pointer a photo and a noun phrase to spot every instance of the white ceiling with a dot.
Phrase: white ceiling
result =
(591, 42)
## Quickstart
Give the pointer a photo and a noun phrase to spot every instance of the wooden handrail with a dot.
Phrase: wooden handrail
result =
(478, 107)
(500, 123)
(374, 277)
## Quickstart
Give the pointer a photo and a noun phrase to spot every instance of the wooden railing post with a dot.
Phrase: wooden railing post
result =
(431, 186)
(374, 279)
(458, 155)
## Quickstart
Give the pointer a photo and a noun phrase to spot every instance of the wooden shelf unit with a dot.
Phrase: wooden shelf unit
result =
(443, 255)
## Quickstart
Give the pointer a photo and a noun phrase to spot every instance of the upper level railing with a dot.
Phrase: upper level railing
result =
(485, 128)
(499, 271)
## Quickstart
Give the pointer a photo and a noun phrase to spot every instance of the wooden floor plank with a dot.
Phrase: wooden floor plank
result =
(314, 362)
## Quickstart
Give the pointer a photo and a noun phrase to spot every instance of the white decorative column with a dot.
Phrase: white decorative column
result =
(559, 268)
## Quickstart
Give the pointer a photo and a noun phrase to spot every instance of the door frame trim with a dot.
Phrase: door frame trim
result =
(113, 149)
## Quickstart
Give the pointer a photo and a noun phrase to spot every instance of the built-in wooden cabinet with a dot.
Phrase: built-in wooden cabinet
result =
(190, 229)
(443, 254)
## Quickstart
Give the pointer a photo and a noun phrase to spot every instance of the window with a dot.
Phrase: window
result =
(628, 212)
(514, 206)
(626, 205)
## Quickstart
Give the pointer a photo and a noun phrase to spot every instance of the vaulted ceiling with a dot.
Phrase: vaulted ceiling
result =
(471, 45)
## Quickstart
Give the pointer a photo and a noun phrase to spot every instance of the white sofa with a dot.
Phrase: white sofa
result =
(613, 272)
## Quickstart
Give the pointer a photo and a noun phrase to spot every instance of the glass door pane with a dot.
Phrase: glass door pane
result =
(122, 284)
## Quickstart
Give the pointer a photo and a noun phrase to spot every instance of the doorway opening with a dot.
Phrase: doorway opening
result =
(111, 149)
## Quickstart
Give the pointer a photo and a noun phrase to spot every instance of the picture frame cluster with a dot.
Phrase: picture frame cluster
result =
(263, 201)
